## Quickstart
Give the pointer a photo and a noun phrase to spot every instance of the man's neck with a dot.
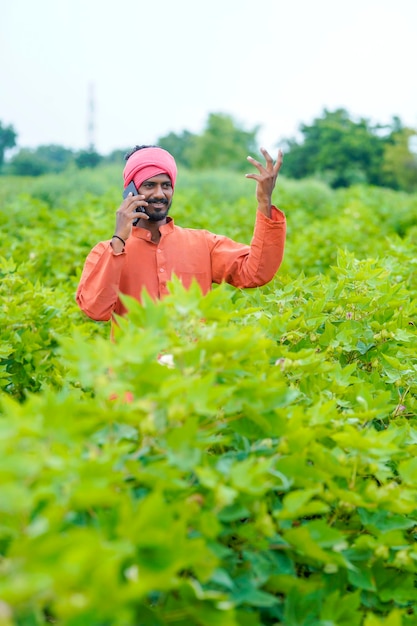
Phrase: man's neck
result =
(153, 228)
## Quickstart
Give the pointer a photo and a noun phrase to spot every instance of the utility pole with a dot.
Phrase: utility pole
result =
(91, 119)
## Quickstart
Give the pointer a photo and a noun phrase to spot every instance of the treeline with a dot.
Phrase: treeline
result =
(335, 148)
(343, 152)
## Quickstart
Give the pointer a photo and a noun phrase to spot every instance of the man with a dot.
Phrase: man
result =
(145, 252)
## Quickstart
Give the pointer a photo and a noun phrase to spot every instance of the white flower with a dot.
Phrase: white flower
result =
(166, 359)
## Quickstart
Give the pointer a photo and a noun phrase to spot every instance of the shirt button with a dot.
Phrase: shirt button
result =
(162, 269)
(159, 250)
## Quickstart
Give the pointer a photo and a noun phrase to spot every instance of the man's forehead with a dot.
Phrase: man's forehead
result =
(159, 178)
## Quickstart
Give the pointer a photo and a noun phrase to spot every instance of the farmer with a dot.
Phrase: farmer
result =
(144, 253)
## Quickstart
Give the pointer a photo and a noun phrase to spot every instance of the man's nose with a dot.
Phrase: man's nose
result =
(159, 191)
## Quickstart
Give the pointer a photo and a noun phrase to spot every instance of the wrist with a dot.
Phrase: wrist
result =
(265, 208)
(119, 238)
(117, 243)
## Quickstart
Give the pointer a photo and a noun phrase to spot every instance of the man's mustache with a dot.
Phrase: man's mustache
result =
(157, 201)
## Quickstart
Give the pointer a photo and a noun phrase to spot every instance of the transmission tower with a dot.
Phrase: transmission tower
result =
(91, 119)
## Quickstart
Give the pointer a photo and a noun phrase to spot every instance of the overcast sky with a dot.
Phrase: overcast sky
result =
(151, 67)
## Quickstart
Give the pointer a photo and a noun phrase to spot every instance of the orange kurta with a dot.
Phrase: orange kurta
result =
(188, 253)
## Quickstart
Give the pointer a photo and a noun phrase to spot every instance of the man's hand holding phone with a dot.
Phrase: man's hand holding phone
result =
(132, 204)
(139, 208)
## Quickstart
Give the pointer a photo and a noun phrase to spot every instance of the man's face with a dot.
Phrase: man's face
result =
(158, 194)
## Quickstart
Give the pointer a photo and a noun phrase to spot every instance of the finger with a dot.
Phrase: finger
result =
(140, 216)
(268, 158)
(131, 199)
(137, 199)
(139, 212)
(279, 161)
(139, 202)
(256, 163)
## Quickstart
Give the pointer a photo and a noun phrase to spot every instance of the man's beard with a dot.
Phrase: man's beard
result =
(157, 216)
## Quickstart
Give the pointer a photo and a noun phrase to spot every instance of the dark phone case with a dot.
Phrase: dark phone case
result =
(131, 188)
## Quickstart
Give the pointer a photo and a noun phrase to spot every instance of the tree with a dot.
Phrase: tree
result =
(27, 163)
(42, 160)
(55, 156)
(399, 165)
(338, 149)
(8, 138)
(87, 158)
(116, 157)
(222, 144)
(178, 145)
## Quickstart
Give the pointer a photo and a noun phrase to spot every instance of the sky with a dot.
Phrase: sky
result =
(116, 73)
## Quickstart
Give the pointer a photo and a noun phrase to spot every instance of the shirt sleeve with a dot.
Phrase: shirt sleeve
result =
(255, 265)
(98, 288)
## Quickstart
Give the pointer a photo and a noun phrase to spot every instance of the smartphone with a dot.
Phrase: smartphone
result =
(131, 188)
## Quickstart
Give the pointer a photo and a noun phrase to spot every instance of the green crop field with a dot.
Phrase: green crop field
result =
(240, 459)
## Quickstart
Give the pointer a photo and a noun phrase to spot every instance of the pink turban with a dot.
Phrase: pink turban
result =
(147, 163)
